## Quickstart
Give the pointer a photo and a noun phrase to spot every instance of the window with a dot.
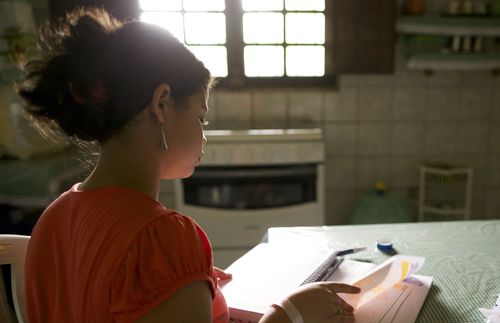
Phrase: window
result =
(250, 42)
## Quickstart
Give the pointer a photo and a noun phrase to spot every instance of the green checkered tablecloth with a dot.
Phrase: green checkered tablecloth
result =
(463, 257)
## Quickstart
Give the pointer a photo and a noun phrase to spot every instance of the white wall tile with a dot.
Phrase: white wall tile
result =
(476, 103)
(494, 141)
(495, 105)
(443, 103)
(478, 207)
(339, 206)
(480, 167)
(341, 106)
(341, 139)
(305, 109)
(348, 80)
(372, 170)
(472, 138)
(494, 172)
(492, 204)
(234, 110)
(270, 110)
(441, 138)
(375, 139)
(447, 78)
(410, 104)
(376, 79)
(477, 78)
(405, 172)
(375, 103)
(408, 138)
(406, 78)
(341, 172)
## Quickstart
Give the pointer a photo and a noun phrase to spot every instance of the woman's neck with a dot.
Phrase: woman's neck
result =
(133, 167)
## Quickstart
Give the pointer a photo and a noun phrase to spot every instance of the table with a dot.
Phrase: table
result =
(462, 256)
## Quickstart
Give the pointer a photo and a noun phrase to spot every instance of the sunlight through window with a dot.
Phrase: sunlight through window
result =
(263, 28)
(214, 58)
(305, 61)
(297, 23)
(278, 37)
(305, 28)
(205, 28)
(197, 23)
(171, 21)
(152, 5)
(264, 61)
(308, 5)
(262, 5)
(203, 5)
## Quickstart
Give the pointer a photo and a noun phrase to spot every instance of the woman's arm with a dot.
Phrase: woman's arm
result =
(316, 303)
(191, 303)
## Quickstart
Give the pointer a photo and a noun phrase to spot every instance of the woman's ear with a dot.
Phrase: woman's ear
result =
(161, 98)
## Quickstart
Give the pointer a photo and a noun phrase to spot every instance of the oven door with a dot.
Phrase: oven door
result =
(251, 187)
(235, 205)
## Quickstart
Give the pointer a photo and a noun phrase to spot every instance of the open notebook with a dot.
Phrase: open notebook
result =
(264, 275)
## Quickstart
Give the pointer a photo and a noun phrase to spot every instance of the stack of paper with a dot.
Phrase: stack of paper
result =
(391, 293)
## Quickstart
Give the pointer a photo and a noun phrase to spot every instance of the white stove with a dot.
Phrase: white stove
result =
(251, 180)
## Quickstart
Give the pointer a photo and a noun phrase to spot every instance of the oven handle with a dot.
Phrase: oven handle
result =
(261, 173)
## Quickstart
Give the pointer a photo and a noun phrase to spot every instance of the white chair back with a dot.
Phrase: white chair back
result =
(13, 252)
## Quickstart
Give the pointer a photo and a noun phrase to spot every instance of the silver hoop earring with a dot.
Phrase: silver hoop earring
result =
(163, 140)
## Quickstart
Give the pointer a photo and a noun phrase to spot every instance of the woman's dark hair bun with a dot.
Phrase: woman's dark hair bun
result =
(58, 86)
(95, 73)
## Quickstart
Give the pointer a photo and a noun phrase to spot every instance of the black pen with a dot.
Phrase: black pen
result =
(349, 251)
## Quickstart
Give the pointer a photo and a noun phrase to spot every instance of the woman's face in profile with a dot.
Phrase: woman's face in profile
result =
(185, 138)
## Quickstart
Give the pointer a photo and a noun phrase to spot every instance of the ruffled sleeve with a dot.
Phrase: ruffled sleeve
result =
(167, 254)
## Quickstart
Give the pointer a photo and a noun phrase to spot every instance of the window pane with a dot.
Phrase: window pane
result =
(203, 5)
(305, 61)
(214, 58)
(205, 28)
(153, 5)
(305, 28)
(263, 28)
(169, 20)
(313, 5)
(264, 61)
(262, 5)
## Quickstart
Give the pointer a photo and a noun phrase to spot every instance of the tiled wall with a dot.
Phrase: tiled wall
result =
(381, 127)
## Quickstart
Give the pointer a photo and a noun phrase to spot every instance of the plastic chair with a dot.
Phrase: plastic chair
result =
(13, 252)
(445, 193)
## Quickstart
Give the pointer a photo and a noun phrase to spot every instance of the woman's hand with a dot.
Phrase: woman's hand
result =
(319, 302)
(222, 277)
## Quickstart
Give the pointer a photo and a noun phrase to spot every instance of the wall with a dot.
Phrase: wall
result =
(381, 127)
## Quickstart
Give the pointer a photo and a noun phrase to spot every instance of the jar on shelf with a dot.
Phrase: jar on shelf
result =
(414, 7)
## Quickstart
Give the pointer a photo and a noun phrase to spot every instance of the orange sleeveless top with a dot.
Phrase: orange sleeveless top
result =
(111, 255)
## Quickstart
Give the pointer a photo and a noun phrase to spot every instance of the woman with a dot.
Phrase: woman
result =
(107, 250)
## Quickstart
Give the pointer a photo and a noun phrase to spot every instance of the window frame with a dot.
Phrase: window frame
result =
(236, 78)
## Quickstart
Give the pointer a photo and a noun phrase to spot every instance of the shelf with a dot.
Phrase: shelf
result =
(443, 211)
(454, 61)
(449, 26)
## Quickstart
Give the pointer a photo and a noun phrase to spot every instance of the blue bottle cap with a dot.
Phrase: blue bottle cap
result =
(384, 245)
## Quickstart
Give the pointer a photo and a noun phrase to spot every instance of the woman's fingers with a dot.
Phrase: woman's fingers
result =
(222, 276)
(345, 318)
(340, 302)
(334, 288)
(341, 288)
